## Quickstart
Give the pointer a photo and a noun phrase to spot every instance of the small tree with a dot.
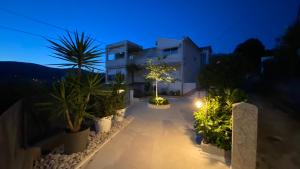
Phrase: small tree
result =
(159, 72)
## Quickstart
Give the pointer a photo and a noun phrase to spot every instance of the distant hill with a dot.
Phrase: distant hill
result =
(11, 71)
(19, 80)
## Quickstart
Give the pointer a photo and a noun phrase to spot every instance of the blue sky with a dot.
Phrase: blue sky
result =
(219, 23)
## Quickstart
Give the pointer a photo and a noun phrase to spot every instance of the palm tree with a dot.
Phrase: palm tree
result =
(79, 51)
(131, 68)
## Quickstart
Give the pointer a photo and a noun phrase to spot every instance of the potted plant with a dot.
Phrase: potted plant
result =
(119, 97)
(71, 96)
(213, 121)
(103, 110)
(159, 72)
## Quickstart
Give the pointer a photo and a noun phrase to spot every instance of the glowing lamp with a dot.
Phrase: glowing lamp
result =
(121, 91)
(198, 104)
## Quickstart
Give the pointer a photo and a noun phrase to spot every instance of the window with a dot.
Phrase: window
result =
(119, 55)
(115, 56)
(111, 56)
(203, 59)
(170, 51)
(112, 77)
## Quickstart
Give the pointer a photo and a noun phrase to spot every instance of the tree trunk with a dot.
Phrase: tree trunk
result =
(69, 121)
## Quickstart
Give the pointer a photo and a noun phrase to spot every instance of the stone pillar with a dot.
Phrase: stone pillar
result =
(244, 136)
(131, 92)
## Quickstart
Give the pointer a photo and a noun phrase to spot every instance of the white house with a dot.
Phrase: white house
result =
(184, 54)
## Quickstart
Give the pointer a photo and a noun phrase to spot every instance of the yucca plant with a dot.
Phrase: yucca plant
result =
(78, 51)
(71, 97)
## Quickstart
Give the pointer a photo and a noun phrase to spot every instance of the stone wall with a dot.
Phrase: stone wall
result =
(244, 136)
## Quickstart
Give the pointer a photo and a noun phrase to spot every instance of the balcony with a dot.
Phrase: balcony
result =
(172, 59)
(116, 63)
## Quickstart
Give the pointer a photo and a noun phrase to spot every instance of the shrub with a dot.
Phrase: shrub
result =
(118, 91)
(158, 101)
(222, 72)
(213, 120)
(119, 100)
(103, 106)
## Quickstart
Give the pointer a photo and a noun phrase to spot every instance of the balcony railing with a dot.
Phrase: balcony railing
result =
(116, 63)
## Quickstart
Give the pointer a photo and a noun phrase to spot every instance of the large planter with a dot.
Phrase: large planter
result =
(103, 125)
(153, 106)
(76, 142)
(120, 114)
(215, 152)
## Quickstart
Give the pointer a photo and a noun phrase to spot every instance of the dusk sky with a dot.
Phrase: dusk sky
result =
(221, 24)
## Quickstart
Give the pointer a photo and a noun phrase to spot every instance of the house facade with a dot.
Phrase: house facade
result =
(184, 54)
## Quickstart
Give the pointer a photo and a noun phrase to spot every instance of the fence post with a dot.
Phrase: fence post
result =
(244, 136)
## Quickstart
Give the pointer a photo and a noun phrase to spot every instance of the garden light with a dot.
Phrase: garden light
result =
(198, 104)
(121, 91)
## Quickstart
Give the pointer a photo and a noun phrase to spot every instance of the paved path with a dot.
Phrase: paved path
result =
(156, 139)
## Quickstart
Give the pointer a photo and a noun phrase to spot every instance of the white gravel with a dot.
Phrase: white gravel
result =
(58, 160)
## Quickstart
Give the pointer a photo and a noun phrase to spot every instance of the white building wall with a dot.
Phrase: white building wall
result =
(187, 87)
(163, 43)
(173, 86)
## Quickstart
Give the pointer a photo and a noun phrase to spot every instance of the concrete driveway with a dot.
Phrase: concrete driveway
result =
(156, 139)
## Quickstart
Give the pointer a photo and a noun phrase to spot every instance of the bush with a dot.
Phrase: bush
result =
(213, 120)
(12, 91)
(222, 72)
(103, 106)
(158, 101)
(119, 100)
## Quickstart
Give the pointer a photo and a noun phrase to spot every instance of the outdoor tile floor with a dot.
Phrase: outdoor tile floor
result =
(156, 139)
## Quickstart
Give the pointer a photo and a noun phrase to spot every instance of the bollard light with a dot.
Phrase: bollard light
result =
(198, 104)
(121, 91)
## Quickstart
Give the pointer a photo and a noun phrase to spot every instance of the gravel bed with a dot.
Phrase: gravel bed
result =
(58, 160)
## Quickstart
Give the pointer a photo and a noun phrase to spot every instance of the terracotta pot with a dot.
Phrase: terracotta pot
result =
(76, 142)
(120, 114)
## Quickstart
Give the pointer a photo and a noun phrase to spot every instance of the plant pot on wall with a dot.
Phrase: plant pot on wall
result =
(103, 125)
(120, 114)
(76, 142)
